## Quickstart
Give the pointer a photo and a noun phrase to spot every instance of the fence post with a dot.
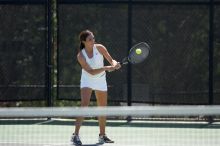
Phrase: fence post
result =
(211, 47)
(129, 67)
(129, 71)
(48, 64)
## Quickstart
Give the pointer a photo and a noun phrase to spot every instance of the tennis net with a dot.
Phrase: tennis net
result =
(54, 126)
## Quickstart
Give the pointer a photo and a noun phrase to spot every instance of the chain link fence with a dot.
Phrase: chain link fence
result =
(177, 71)
(22, 49)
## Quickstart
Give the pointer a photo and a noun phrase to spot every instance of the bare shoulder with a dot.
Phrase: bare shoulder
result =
(101, 48)
(100, 45)
(80, 56)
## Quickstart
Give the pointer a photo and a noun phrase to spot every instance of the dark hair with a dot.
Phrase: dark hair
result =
(82, 37)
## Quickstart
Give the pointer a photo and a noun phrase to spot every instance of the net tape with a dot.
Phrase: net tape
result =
(44, 112)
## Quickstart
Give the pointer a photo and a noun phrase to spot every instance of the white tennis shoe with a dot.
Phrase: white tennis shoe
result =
(104, 139)
(76, 140)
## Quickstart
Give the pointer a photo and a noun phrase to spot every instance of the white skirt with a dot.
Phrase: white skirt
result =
(98, 83)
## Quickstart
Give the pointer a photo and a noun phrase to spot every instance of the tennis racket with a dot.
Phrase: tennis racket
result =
(137, 54)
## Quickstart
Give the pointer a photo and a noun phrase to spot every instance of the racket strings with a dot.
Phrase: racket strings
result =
(138, 58)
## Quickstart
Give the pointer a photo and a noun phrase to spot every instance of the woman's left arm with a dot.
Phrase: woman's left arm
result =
(107, 56)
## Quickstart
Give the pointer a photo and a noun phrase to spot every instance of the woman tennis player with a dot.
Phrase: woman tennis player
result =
(91, 58)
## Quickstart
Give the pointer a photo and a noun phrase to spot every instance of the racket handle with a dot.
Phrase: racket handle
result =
(123, 63)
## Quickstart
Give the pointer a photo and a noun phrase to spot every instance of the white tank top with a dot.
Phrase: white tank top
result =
(97, 61)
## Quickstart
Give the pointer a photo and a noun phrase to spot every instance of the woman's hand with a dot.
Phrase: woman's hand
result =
(113, 67)
(109, 68)
(118, 65)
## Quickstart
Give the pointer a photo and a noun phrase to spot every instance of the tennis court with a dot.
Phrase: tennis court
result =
(57, 132)
(169, 82)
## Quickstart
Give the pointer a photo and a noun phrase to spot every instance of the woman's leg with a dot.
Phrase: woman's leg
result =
(85, 100)
(101, 97)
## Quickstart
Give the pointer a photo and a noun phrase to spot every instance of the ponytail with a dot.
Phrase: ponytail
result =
(81, 46)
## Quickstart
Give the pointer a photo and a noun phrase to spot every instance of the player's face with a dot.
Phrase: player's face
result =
(90, 40)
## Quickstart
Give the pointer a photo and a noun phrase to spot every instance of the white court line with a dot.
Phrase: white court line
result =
(64, 144)
(41, 144)
(44, 122)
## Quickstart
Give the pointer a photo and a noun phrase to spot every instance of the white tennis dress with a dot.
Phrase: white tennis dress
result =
(98, 81)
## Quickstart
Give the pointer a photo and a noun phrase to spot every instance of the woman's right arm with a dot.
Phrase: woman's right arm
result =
(88, 69)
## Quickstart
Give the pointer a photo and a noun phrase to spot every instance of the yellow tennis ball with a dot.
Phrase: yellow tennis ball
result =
(138, 51)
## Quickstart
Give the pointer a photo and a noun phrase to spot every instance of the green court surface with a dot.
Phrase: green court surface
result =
(136, 133)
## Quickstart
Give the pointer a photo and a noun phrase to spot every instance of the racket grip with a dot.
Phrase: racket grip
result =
(123, 63)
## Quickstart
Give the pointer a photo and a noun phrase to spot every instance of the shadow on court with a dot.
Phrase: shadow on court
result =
(91, 145)
(29, 144)
(147, 124)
